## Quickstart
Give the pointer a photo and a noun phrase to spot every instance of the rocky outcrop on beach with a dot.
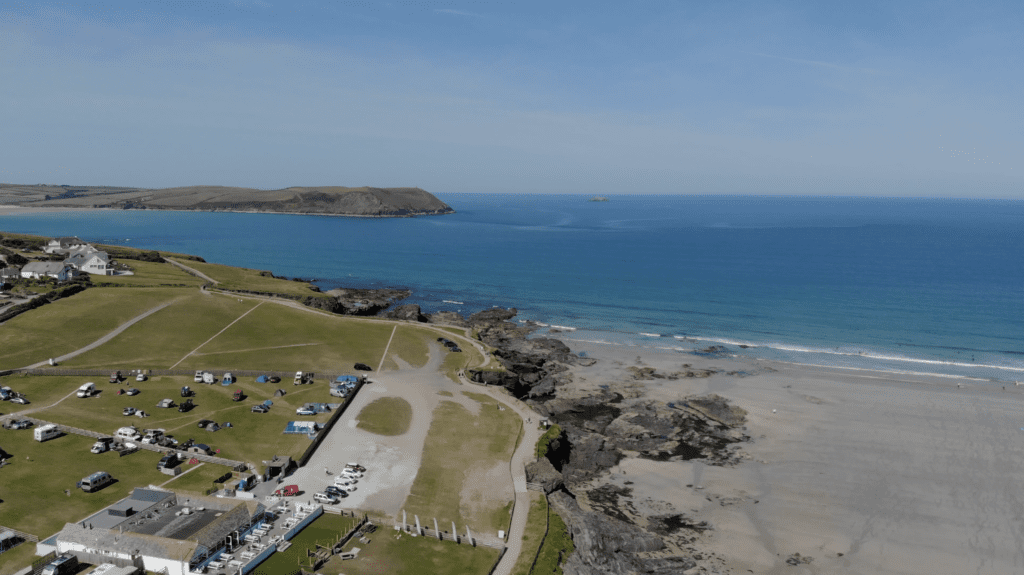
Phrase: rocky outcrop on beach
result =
(365, 302)
(407, 312)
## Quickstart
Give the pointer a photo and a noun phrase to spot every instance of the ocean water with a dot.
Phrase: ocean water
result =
(916, 285)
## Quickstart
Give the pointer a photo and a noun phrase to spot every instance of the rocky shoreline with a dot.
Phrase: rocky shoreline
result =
(597, 430)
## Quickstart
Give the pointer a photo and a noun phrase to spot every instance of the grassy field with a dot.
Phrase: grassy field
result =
(325, 530)
(199, 479)
(411, 345)
(536, 524)
(71, 323)
(102, 413)
(459, 444)
(386, 416)
(40, 472)
(164, 338)
(15, 559)
(278, 337)
(389, 553)
(232, 278)
(149, 274)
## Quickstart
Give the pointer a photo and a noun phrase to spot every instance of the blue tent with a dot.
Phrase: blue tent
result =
(262, 379)
(268, 403)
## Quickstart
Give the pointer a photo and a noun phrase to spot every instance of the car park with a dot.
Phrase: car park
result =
(132, 391)
(128, 411)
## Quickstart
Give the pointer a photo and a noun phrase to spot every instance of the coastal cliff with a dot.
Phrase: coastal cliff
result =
(322, 200)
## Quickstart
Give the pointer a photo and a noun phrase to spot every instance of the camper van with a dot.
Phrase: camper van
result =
(153, 436)
(95, 482)
(48, 431)
(129, 433)
(87, 390)
(102, 445)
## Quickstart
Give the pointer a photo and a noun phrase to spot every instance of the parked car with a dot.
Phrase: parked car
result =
(102, 444)
(362, 367)
(260, 408)
(325, 498)
(132, 391)
(356, 467)
(335, 491)
(304, 411)
(128, 411)
(140, 377)
(21, 424)
(95, 482)
(455, 348)
(199, 377)
(20, 399)
(274, 379)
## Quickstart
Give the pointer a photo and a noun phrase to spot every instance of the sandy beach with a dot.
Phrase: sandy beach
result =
(862, 472)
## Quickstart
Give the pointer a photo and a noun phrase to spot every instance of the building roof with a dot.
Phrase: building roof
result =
(134, 543)
(43, 267)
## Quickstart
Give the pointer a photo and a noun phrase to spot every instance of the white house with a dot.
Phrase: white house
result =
(8, 274)
(91, 261)
(35, 270)
(62, 244)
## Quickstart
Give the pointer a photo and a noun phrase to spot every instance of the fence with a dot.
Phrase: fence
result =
(255, 561)
(328, 426)
(21, 534)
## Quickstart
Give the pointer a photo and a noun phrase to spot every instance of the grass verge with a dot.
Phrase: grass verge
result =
(389, 553)
(386, 416)
(533, 536)
(326, 530)
(556, 547)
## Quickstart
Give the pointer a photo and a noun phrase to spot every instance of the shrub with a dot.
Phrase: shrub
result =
(544, 443)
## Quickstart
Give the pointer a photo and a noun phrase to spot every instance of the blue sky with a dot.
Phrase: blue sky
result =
(847, 98)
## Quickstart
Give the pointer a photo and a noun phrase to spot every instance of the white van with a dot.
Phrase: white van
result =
(153, 436)
(130, 433)
(208, 377)
(95, 482)
(87, 390)
(48, 431)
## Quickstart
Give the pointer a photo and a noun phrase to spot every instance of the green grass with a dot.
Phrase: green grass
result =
(14, 560)
(149, 274)
(199, 479)
(33, 484)
(386, 416)
(391, 554)
(103, 413)
(164, 338)
(325, 530)
(74, 322)
(556, 547)
(458, 443)
(232, 278)
(544, 442)
(410, 344)
(283, 338)
(533, 536)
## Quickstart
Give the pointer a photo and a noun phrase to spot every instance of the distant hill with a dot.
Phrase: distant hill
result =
(326, 200)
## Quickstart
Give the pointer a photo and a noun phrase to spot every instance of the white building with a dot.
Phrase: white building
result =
(90, 260)
(57, 245)
(35, 270)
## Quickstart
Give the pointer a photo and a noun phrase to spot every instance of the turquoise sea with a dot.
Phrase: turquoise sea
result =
(916, 285)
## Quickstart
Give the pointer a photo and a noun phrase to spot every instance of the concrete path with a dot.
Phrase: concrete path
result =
(193, 271)
(524, 454)
(105, 338)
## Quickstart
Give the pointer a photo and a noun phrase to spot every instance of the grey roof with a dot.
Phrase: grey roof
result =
(140, 501)
(43, 267)
(135, 543)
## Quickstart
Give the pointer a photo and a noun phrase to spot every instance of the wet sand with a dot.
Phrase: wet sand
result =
(865, 472)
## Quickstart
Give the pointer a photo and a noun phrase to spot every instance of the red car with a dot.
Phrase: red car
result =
(288, 491)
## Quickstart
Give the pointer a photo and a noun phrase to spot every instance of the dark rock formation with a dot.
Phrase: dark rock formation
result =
(407, 312)
(366, 301)
(544, 474)
(448, 318)
(605, 545)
